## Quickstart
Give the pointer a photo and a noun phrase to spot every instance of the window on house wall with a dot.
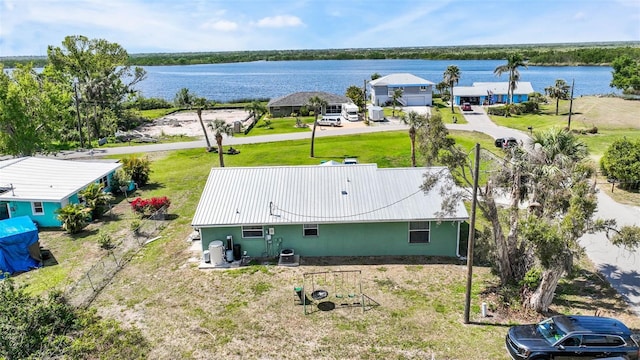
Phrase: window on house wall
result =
(253, 231)
(104, 181)
(310, 229)
(419, 232)
(38, 208)
(424, 88)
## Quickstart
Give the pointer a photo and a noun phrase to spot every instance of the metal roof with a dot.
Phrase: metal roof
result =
(43, 179)
(497, 88)
(302, 98)
(318, 194)
(401, 79)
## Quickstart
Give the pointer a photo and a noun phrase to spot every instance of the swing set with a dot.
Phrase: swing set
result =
(330, 289)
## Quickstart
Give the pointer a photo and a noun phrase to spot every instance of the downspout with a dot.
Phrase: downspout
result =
(458, 241)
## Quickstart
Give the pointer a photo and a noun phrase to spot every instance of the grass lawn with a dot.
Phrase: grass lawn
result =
(283, 125)
(249, 313)
(157, 113)
(613, 117)
(445, 111)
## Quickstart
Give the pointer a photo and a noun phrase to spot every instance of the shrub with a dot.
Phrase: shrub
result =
(304, 111)
(120, 180)
(96, 198)
(149, 206)
(104, 240)
(621, 162)
(73, 217)
(35, 327)
(137, 168)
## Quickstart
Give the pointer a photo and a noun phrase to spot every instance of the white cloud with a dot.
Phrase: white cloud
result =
(579, 15)
(221, 25)
(280, 21)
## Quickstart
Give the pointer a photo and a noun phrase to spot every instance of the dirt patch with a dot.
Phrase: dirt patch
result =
(187, 123)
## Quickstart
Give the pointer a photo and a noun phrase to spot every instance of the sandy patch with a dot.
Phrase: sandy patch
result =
(187, 123)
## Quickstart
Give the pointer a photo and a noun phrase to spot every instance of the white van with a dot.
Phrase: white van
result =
(330, 120)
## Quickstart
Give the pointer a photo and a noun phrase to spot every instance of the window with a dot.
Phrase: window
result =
(419, 232)
(37, 207)
(254, 231)
(423, 88)
(104, 181)
(310, 229)
(594, 340)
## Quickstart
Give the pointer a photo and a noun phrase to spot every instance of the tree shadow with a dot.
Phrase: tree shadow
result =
(598, 290)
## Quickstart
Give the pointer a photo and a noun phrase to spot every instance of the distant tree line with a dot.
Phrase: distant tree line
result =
(535, 54)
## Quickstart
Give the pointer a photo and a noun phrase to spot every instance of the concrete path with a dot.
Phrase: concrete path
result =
(620, 267)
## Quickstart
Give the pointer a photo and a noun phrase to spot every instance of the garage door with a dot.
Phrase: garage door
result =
(416, 101)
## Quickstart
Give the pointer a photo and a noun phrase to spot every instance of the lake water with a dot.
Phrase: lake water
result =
(270, 79)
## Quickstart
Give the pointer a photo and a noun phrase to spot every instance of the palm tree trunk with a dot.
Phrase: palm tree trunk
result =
(313, 134)
(412, 135)
(452, 98)
(204, 130)
(220, 151)
(557, 105)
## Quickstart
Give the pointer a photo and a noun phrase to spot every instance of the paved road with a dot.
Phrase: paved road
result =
(620, 267)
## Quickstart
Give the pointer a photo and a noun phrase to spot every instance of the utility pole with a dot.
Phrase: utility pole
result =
(364, 99)
(472, 233)
(75, 89)
(571, 105)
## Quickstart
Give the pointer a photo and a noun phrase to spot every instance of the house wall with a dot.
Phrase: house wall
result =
(364, 239)
(411, 95)
(24, 208)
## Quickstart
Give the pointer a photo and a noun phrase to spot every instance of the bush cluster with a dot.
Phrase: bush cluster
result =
(527, 107)
(148, 206)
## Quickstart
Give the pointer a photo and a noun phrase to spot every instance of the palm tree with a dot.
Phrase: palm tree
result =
(96, 198)
(200, 103)
(560, 90)
(415, 121)
(451, 76)
(256, 109)
(317, 104)
(73, 217)
(397, 94)
(219, 128)
(514, 61)
(184, 98)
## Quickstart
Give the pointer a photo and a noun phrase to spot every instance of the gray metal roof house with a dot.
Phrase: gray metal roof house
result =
(340, 210)
(288, 104)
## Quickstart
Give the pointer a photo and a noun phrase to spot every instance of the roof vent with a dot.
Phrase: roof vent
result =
(344, 192)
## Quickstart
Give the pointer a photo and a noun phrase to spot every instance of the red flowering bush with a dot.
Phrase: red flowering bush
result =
(148, 206)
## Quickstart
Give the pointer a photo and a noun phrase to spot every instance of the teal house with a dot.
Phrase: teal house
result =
(37, 187)
(329, 210)
(489, 93)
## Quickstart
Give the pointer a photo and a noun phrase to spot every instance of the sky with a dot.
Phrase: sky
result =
(28, 27)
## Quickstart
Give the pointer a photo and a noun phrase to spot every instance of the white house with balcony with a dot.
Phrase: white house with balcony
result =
(416, 91)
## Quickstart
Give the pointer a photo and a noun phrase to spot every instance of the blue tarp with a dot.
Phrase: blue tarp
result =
(17, 235)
